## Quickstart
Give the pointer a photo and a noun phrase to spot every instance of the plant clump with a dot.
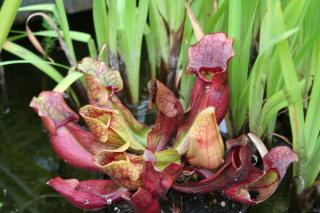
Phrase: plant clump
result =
(142, 163)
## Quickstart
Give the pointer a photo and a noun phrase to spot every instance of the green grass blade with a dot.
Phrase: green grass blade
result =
(234, 31)
(65, 26)
(75, 35)
(273, 105)
(312, 125)
(7, 15)
(259, 74)
(296, 113)
(216, 17)
(152, 55)
(112, 27)
(291, 13)
(243, 62)
(67, 81)
(256, 91)
(4, 63)
(313, 165)
(92, 48)
(25, 54)
(50, 7)
(131, 25)
(277, 39)
(38, 7)
(175, 14)
(158, 31)
(100, 21)
(307, 45)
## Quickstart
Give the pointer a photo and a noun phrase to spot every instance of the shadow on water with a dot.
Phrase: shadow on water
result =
(27, 160)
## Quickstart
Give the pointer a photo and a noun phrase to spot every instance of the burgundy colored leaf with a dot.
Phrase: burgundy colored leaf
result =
(143, 201)
(280, 157)
(71, 151)
(170, 115)
(206, 94)
(88, 194)
(53, 110)
(206, 173)
(256, 191)
(239, 179)
(236, 168)
(64, 133)
(242, 140)
(212, 53)
(86, 139)
(158, 182)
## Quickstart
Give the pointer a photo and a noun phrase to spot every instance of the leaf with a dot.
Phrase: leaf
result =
(67, 81)
(212, 54)
(135, 130)
(8, 13)
(68, 49)
(158, 182)
(169, 117)
(25, 54)
(105, 123)
(121, 168)
(126, 127)
(88, 194)
(235, 169)
(63, 21)
(142, 201)
(275, 163)
(109, 78)
(100, 22)
(276, 203)
(280, 158)
(71, 143)
(75, 35)
(255, 192)
(98, 120)
(131, 20)
(166, 157)
(195, 24)
(53, 110)
(202, 143)
(210, 94)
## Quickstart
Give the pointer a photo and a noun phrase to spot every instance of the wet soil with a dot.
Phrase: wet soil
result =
(201, 203)
(176, 202)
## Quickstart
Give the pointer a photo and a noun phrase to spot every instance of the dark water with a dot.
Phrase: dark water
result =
(27, 160)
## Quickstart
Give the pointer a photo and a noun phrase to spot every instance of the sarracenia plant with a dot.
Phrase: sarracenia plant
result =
(143, 162)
